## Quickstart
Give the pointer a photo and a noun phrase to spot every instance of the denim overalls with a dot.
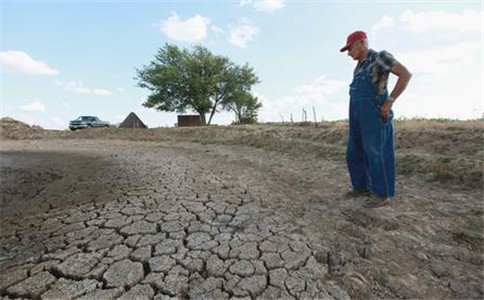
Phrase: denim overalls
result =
(370, 153)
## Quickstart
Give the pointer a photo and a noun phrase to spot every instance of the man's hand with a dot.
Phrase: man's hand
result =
(403, 78)
(385, 109)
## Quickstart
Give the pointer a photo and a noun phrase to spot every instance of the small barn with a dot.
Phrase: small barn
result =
(189, 120)
(132, 121)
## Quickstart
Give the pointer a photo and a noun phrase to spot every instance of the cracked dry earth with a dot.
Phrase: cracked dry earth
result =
(164, 225)
(89, 219)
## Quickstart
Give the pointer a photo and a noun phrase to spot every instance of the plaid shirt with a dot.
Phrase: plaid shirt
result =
(378, 64)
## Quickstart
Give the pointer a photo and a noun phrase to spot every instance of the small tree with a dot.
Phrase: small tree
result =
(197, 80)
(239, 100)
(245, 108)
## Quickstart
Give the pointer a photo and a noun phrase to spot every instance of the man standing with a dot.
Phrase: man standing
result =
(370, 152)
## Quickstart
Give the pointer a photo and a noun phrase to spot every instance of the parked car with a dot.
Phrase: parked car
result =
(87, 122)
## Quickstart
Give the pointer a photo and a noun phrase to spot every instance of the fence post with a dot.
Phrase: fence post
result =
(315, 120)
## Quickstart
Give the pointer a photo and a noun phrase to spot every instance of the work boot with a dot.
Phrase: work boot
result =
(358, 193)
(376, 201)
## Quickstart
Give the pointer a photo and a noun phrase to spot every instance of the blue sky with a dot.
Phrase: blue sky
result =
(62, 59)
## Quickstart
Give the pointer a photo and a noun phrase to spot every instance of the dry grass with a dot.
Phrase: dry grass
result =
(445, 151)
(446, 124)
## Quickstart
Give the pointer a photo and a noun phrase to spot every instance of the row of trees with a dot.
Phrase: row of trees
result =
(179, 79)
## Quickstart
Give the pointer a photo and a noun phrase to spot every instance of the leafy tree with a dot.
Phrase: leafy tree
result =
(245, 107)
(239, 99)
(198, 80)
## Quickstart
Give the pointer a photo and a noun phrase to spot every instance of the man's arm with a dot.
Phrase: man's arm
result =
(403, 78)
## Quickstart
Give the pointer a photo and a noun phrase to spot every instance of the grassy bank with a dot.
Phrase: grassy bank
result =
(444, 151)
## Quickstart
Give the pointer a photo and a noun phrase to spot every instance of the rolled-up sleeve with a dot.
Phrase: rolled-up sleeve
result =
(385, 60)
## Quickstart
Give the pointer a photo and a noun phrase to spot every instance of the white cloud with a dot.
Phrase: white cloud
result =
(445, 84)
(385, 22)
(79, 88)
(192, 30)
(444, 52)
(243, 3)
(322, 86)
(217, 30)
(58, 122)
(242, 34)
(323, 94)
(43, 120)
(268, 5)
(425, 30)
(120, 89)
(34, 106)
(467, 21)
(21, 62)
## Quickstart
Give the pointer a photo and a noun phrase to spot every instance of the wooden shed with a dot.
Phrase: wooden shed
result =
(132, 121)
(189, 120)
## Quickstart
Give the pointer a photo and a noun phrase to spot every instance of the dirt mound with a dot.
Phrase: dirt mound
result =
(17, 130)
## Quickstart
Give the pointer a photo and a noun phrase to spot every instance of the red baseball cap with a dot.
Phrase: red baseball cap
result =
(355, 36)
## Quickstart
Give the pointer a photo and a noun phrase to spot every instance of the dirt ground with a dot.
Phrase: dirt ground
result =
(427, 244)
(29, 175)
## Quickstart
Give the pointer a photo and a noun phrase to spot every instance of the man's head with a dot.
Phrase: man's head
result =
(357, 45)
